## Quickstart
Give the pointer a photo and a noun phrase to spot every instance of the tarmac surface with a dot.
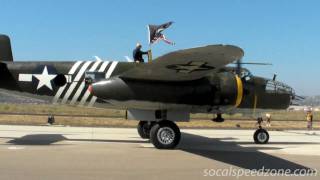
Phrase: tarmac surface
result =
(64, 153)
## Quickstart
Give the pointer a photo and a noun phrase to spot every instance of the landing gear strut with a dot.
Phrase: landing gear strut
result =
(218, 118)
(51, 120)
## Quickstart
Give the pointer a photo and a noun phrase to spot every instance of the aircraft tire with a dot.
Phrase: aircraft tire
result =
(165, 135)
(261, 136)
(144, 128)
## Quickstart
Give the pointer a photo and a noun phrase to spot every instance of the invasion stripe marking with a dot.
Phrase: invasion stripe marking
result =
(112, 67)
(75, 81)
(104, 65)
(87, 94)
(61, 89)
(82, 85)
(83, 95)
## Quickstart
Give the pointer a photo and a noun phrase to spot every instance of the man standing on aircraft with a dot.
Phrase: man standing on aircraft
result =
(137, 53)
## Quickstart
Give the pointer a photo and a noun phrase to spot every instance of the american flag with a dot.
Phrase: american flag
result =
(155, 33)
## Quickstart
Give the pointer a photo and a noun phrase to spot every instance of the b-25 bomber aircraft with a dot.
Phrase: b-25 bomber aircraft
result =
(158, 93)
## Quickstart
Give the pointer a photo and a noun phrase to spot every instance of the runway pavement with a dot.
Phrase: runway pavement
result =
(58, 153)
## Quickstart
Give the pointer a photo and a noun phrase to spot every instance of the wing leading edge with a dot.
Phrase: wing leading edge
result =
(187, 64)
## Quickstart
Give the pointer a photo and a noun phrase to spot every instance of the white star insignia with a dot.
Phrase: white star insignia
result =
(44, 78)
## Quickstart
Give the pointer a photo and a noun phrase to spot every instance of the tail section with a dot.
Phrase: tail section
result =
(5, 48)
(6, 79)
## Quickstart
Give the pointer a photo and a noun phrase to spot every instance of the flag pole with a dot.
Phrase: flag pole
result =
(149, 54)
(149, 51)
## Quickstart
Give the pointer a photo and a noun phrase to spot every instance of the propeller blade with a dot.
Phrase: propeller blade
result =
(238, 68)
(253, 63)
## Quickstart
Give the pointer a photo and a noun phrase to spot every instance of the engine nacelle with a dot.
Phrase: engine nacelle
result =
(224, 89)
(228, 89)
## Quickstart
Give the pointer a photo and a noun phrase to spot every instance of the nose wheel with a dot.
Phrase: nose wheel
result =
(261, 136)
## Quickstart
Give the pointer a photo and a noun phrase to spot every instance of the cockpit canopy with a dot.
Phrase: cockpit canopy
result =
(278, 87)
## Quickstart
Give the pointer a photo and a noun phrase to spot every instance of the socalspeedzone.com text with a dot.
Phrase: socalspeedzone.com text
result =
(234, 172)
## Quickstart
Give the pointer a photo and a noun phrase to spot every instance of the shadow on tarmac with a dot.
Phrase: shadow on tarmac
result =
(49, 139)
(232, 153)
(37, 139)
(228, 152)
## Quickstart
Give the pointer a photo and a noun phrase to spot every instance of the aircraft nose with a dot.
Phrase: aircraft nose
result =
(286, 89)
(278, 94)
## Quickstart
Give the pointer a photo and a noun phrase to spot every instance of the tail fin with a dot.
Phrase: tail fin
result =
(5, 48)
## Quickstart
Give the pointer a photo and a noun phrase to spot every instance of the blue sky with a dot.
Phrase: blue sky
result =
(283, 32)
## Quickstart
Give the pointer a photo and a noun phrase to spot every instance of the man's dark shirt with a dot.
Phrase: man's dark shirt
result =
(137, 54)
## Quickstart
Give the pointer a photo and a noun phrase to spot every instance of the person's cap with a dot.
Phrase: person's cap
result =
(138, 45)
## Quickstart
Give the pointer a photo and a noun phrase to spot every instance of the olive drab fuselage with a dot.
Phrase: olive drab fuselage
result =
(64, 82)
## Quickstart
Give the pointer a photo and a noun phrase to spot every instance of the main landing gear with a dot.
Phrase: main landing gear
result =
(166, 134)
(144, 128)
(261, 136)
(163, 134)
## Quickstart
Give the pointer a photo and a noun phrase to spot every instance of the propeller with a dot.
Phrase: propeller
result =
(238, 67)
(239, 64)
(254, 63)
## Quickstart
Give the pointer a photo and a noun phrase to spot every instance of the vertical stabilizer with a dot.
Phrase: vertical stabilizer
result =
(5, 48)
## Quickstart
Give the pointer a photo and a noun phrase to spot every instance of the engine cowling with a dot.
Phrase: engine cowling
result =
(228, 89)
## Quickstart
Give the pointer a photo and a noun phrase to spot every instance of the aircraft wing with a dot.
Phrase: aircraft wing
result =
(187, 64)
(17, 97)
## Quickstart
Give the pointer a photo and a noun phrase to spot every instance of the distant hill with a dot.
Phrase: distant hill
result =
(311, 101)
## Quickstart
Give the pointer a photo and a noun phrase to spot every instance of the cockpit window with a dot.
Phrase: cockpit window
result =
(278, 87)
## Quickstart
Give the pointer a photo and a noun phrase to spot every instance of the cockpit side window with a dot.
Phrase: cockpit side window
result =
(277, 87)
